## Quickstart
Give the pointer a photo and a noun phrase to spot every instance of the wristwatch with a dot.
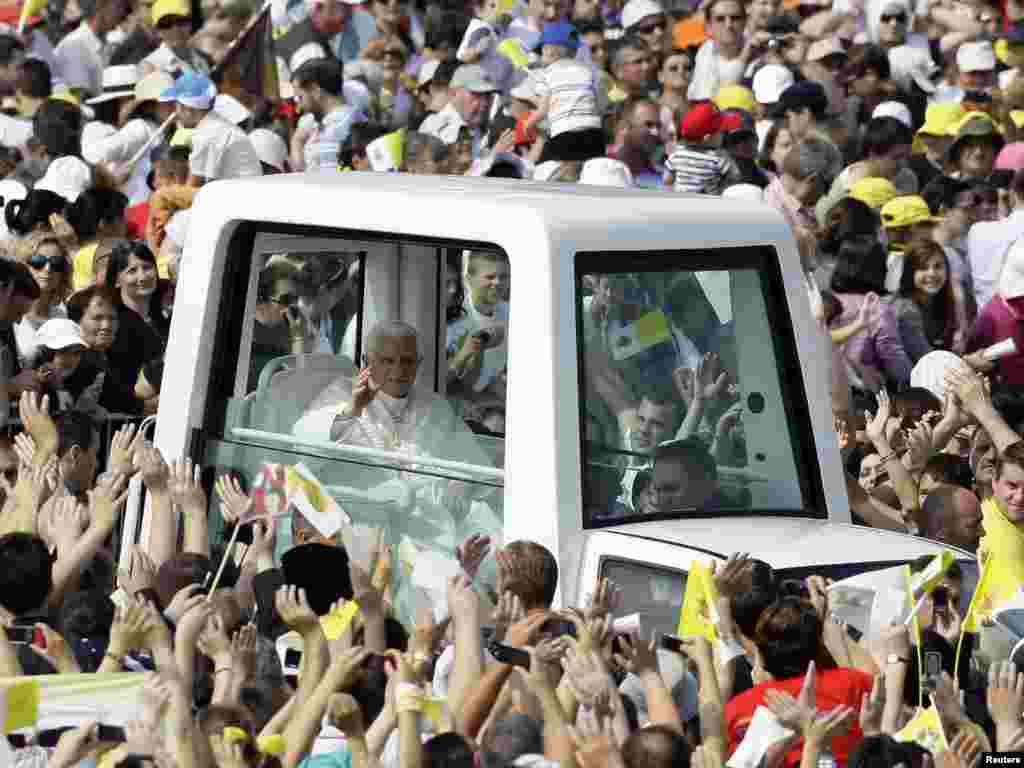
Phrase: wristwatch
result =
(895, 658)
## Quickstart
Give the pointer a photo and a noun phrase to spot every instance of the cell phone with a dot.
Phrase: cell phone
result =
(940, 597)
(932, 669)
(292, 658)
(670, 643)
(506, 654)
(111, 733)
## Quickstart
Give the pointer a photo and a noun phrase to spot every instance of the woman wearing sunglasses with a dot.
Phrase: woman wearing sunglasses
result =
(48, 262)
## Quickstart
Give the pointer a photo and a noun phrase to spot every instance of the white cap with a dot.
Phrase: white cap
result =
(770, 81)
(370, 71)
(606, 172)
(66, 176)
(930, 371)
(9, 190)
(270, 148)
(177, 227)
(1011, 281)
(894, 109)
(60, 333)
(231, 109)
(978, 56)
(748, 192)
(427, 71)
(907, 62)
(636, 11)
(305, 53)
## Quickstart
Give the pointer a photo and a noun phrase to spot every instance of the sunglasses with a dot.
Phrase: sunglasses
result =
(650, 29)
(898, 18)
(729, 17)
(57, 263)
(170, 22)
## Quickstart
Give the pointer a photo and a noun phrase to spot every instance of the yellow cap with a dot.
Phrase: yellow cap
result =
(234, 735)
(735, 97)
(1001, 48)
(940, 119)
(873, 191)
(163, 8)
(182, 138)
(905, 211)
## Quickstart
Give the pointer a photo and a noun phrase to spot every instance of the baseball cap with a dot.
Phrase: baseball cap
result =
(606, 172)
(191, 90)
(60, 333)
(636, 11)
(560, 33)
(770, 81)
(162, 8)
(971, 125)
(1011, 157)
(473, 78)
(822, 49)
(701, 122)
(270, 148)
(978, 56)
(735, 97)
(906, 210)
(66, 176)
(941, 117)
(894, 109)
(807, 94)
(873, 191)
(152, 86)
(737, 123)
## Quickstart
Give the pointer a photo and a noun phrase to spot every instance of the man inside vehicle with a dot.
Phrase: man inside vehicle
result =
(684, 478)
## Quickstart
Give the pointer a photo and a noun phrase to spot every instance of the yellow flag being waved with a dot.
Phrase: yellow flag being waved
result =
(926, 731)
(699, 613)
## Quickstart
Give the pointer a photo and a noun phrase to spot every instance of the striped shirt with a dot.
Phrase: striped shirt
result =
(699, 169)
(321, 151)
(573, 88)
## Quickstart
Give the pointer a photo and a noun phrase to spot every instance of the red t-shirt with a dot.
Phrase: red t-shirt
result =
(836, 687)
(136, 216)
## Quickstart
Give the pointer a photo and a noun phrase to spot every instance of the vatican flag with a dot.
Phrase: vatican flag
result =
(699, 614)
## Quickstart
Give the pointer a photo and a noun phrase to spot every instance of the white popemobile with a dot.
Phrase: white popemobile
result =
(284, 277)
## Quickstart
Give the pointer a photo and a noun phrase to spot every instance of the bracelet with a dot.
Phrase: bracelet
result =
(887, 458)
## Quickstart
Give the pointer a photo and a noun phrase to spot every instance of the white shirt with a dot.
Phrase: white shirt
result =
(14, 131)
(711, 72)
(120, 147)
(79, 60)
(987, 244)
(446, 125)
(220, 150)
(574, 93)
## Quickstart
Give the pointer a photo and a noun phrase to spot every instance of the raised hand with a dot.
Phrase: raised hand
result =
(370, 599)
(151, 465)
(712, 379)
(1005, 696)
(106, 499)
(508, 611)
(234, 501)
(638, 657)
(344, 714)
(731, 577)
(184, 600)
(471, 553)
(126, 441)
(35, 417)
(128, 629)
(606, 599)
(872, 706)
(363, 393)
(143, 575)
(595, 743)
(876, 426)
(213, 641)
(184, 486)
(294, 610)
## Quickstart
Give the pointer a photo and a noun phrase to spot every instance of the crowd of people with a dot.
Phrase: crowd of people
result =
(887, 133)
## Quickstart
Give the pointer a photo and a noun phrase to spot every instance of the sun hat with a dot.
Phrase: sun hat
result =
(60, 333)
(735, 97)
(701, 122)
(191, 90)
(905, 211)
(873, 191)
(636, 11)
(941, 118)
(770, 81)
(118, 83)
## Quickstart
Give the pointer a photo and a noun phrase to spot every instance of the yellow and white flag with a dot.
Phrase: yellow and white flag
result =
(926, 731)
(699, 614)
(636, 337)
(50, 702)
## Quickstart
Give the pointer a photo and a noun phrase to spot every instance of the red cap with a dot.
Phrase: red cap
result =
(702, 121)
(522, 135)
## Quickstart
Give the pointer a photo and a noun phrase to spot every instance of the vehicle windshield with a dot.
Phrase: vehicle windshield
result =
(686, 405)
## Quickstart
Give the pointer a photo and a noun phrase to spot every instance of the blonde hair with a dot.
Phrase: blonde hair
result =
(27, 247)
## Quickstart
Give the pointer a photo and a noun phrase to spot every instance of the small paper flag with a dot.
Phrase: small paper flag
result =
(699, 613)
(925, 730)
(926, 580)
(308, 496)
(334, 624)
(512, 48)
(386, 152)
(29, 9)
(649, 330)
(19, 704)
